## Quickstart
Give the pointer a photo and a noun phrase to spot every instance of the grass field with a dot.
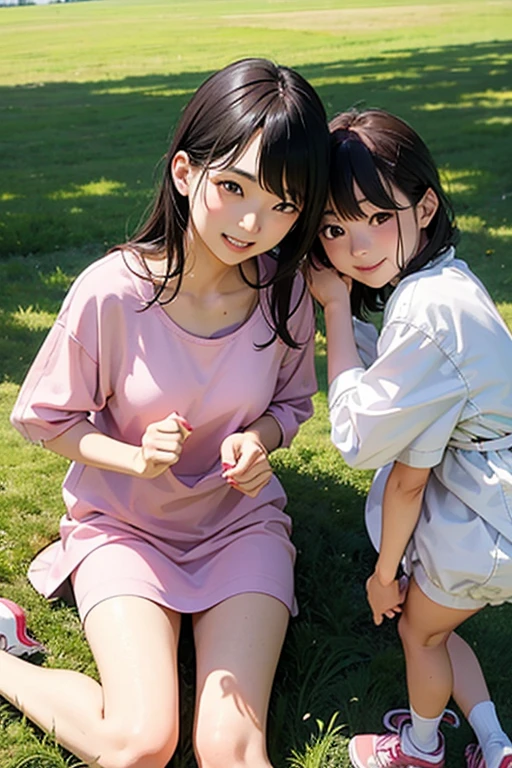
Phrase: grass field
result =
(89, 94)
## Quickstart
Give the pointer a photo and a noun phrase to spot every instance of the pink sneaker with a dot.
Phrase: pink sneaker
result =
(13, 631)
(395, 718)
(475, 759)
(385, 751)
(474, 756)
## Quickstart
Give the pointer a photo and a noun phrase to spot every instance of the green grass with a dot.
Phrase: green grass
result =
(89, 93)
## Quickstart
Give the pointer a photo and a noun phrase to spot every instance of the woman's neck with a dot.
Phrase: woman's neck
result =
(204, 274)
(213, 296)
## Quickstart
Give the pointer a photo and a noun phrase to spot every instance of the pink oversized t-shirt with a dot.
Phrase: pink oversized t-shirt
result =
(122, 366)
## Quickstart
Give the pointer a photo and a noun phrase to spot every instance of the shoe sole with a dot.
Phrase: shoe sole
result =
(27, 646)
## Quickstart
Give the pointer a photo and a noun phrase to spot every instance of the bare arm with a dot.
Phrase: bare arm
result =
(266, 431)
(401, 508)
(333, 293)
(161, 447)
(244, 455)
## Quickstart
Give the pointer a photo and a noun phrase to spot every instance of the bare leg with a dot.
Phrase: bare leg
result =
(132, 717)
(431, 647)
(469, 686)
(472, 695)
(238, 644)
(424, 630)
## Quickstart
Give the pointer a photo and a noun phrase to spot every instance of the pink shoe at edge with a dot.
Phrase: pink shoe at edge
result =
(475, 758)
(13, 631)
(385, 751)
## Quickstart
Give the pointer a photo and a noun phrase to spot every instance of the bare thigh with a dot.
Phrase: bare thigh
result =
(426, 622)
(238, 644)
(134, 642)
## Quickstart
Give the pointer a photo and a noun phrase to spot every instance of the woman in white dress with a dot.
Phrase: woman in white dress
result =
(435, 407)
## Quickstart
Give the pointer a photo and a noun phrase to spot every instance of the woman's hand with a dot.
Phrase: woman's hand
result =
(385, 601)
(245, 463)
(327, 285)
(162, 443)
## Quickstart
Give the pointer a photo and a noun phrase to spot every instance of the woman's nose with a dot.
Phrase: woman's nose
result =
(359, 244)
(249, 222)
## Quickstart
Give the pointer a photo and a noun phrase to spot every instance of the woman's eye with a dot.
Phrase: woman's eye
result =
(381, 218)
(332, 231)
(285, 207)
(232, 187)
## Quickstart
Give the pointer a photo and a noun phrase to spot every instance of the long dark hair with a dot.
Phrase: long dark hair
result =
(377, 150)
(218, 124)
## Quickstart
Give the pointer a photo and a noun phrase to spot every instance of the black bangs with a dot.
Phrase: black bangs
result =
(288, 154)
(352, 164)
(285, 157)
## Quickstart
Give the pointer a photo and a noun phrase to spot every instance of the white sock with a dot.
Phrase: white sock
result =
(492, 738)
(422, 736)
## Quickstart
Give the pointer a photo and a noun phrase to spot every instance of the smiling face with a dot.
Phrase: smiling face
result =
(374, 248)
(232, 217)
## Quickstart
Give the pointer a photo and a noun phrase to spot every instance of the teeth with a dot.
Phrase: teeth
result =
(238, 243)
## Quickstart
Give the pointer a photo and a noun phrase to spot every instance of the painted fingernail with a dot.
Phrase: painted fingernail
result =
(226, 466)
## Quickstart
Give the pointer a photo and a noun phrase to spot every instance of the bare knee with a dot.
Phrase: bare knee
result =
(218, 747)
(138, 747)
(413, 636)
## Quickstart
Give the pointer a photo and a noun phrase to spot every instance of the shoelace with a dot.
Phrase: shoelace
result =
(389, 750)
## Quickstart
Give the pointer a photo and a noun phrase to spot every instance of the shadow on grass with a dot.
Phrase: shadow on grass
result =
(31, 292)
(77, 162)
(77, 157)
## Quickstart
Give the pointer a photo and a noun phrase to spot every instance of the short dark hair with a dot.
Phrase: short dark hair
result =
(218, 123)
(376, 150)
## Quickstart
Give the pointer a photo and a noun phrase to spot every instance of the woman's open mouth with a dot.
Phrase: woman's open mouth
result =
(235, 244)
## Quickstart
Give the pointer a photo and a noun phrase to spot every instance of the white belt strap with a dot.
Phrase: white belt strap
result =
(496, 444)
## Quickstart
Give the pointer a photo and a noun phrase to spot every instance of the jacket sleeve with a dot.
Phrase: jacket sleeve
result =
(404, 407)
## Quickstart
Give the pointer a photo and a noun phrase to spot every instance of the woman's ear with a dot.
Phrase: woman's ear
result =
(181, 172)
(426, 208)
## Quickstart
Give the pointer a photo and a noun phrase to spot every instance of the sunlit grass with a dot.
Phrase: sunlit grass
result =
(489, 100)
(460, 180)
(156, 90)
(91, 189)
(33, 319)
(497, 120)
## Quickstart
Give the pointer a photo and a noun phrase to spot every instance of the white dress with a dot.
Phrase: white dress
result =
(439, 394)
